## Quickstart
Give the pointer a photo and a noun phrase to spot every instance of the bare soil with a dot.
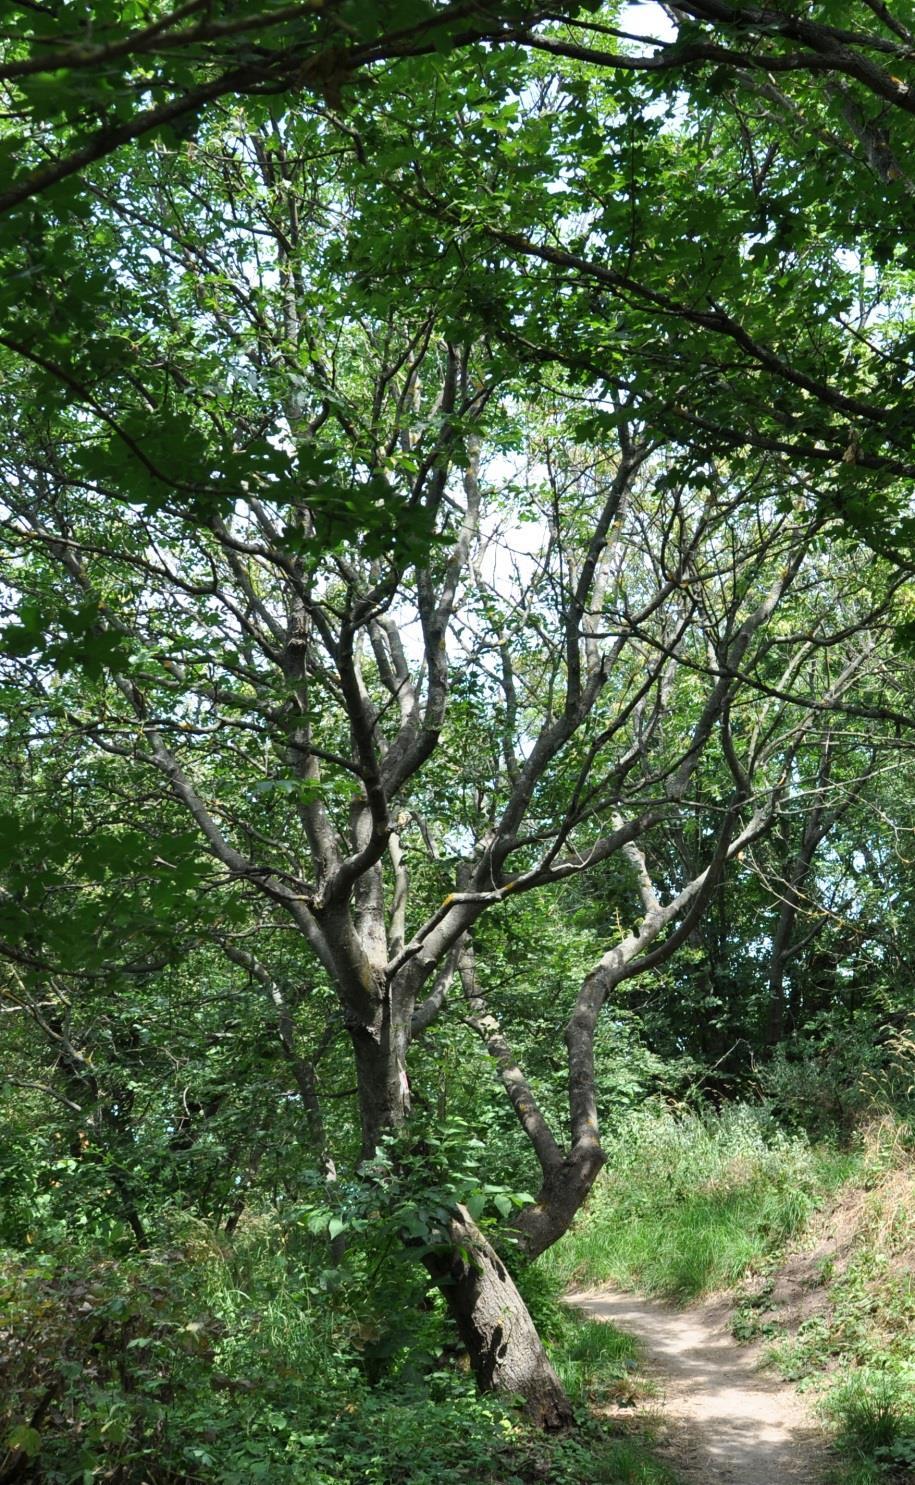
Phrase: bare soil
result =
(723, 1420)
(878, 1217)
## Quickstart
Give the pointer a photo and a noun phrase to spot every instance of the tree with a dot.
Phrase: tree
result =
(93, 83)
(750, 148)
(267, 557)
(684, 248)
(292, 697)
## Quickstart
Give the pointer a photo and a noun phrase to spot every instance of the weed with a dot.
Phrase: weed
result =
(257, 1364)
(748, 1322)
(874, 1412)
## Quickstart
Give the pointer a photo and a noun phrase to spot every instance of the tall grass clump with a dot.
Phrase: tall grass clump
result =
(874, 1415)
(874, 1410)
(690, 1201)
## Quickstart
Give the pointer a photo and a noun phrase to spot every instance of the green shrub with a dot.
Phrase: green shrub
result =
(874, 1412)
(255, 1361)
(830, 1078)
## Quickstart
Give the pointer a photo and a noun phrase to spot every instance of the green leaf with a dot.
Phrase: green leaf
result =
(24, 1438)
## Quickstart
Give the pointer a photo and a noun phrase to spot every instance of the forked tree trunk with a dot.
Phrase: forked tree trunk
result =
(506, 1353)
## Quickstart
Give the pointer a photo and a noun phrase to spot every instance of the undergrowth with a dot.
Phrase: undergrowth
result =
(254, 1361)
(689, 1202)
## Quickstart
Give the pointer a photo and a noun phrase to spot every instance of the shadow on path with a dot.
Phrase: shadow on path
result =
(726, 1422)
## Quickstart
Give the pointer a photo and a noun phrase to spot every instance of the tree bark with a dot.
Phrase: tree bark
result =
(506, 1353)
(562, 1195)
(380, 1054)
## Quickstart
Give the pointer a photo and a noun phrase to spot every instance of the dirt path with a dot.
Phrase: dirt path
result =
(724, 1422)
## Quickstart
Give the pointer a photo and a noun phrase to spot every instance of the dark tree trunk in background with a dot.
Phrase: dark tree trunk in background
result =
(380, 1055)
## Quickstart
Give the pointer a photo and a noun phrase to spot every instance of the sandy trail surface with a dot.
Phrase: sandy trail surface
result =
(723, 1420)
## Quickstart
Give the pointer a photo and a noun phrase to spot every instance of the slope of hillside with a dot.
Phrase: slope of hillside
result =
(836, 1310)
(810, 1252)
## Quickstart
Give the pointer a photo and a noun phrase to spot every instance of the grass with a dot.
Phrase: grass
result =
(689, 1202)
(873, 1410)
(859, 1352)
(597, 1363)
(692, 1203)
(873, 1413)
(858, 1347)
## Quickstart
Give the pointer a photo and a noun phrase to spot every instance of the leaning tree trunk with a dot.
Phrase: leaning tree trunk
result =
(506, 1353)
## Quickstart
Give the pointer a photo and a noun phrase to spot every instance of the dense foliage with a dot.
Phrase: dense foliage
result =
(455, 686)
